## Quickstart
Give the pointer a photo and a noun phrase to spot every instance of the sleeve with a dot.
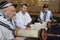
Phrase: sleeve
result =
(41, 16)
(51, 14)
(29, 19)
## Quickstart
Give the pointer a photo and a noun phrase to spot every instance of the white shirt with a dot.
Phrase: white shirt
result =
(48, 16)
(22, 19)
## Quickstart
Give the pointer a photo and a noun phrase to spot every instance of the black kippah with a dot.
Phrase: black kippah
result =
(3, 3)
(45, 6)
(23, 4)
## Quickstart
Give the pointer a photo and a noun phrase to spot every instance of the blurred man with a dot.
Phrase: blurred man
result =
(23, 19)
(45, 15)
(6, 22)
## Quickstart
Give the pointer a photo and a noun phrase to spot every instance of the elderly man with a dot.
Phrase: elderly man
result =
(6, 22)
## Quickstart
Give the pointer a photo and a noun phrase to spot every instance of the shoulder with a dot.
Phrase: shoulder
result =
(41, 13)
(2, 19)
(18, 14)
(27, 13)
(49, 11)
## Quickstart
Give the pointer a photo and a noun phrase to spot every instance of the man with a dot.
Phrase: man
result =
(23, 19)
(45, 15)
(6, 22)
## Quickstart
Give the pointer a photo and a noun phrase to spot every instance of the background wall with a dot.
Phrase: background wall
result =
(36, 5)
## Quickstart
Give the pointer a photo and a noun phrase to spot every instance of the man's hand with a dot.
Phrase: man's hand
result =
(28, 28)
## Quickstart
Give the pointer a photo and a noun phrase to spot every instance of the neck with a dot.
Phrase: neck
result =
(23, 12)
(44, 12)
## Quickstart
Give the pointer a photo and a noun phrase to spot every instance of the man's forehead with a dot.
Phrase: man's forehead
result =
(11, 7)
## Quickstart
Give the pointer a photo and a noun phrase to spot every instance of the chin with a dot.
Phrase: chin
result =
(11, 17)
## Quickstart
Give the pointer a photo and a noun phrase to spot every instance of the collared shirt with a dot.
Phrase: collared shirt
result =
(48, 16)
(22, 19)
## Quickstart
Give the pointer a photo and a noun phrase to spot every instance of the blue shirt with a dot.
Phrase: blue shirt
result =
(1, 14)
